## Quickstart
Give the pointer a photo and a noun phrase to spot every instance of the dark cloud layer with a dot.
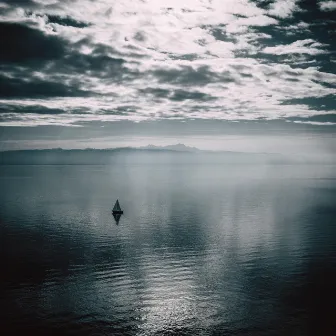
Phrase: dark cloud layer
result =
(99, 64)
(22, 88)
(36, 109)
(19, 2)
(326, 103)
(66, 21)
(187, 75)
(24, 45)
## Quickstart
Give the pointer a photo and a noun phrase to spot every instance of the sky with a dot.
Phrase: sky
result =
(127, 72)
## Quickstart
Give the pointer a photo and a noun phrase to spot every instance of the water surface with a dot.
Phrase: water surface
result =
(200, 250)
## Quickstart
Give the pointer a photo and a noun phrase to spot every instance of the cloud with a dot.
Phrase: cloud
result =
(77, 61)
(283, 8)
(242, 24)
(251, 91)
(308, 46)
(327, 5)
(293, 29)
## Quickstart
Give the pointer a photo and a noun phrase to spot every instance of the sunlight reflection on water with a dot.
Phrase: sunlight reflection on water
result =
(194, 253)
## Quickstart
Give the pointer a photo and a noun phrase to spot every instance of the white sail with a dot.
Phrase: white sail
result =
(116, 206)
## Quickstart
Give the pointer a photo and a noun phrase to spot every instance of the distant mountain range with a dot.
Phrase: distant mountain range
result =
(178, 147)
(150, 154)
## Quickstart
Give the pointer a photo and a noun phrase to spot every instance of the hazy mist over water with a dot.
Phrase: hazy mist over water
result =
(202, 249)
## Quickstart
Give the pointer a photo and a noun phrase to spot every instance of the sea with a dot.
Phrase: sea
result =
(201, 249)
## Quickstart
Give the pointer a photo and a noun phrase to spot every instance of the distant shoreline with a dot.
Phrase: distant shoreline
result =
(152, 156)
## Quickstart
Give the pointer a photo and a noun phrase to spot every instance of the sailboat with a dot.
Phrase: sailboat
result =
(116, 209)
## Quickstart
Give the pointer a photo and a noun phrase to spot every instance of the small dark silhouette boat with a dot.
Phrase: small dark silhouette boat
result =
(116, 209)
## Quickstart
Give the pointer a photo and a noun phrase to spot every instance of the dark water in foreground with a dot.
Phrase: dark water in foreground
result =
(221, 250)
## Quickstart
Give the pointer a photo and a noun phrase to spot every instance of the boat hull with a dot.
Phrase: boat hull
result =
(118, 212)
